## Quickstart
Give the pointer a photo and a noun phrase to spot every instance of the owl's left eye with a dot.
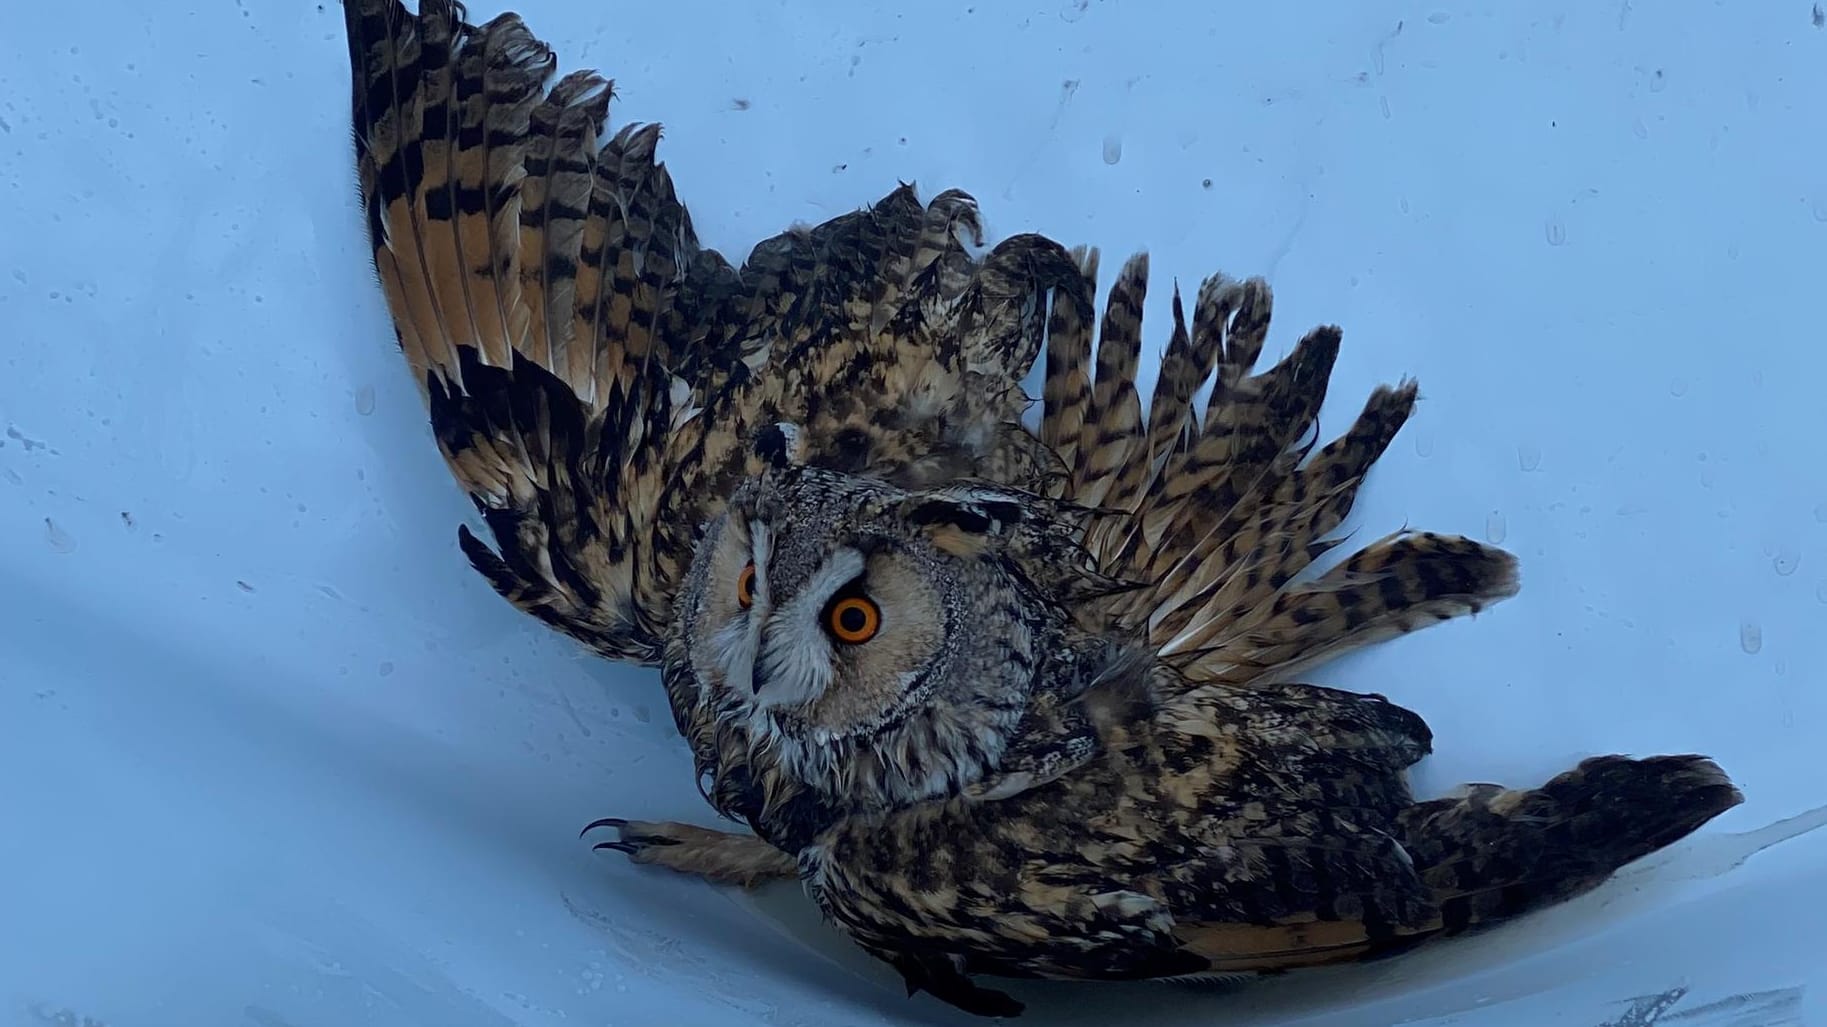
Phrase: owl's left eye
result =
(854, 620)
(745, 586)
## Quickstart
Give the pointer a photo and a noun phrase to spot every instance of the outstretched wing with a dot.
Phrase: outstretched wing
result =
(1222, 829)
(1234, 830)
(1215, 516)
(595, 378)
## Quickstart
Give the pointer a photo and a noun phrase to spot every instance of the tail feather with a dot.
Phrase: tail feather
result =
(1495, 853)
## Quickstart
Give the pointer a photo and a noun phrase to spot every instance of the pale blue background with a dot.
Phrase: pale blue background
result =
(272, 754)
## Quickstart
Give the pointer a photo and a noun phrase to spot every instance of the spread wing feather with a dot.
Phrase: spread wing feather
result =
(1214, 516)
(596, 378)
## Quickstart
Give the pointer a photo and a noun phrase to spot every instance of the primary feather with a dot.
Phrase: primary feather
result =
(596, 378)
(1215, 516)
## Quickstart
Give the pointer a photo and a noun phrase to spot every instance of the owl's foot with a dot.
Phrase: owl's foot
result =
(716, 856)
(941, 978)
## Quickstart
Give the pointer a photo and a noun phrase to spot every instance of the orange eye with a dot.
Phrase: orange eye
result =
(854, 620)
(745, 586)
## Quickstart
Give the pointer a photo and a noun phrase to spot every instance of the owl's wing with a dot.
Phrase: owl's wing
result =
(596, 379)
(1216, 514)
(1099, 876)
(1231, 830)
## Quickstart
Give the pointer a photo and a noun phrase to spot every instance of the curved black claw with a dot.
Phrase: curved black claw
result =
(630, 840)
(604, 822)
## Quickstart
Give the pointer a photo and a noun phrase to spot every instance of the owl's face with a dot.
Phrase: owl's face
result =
(809, 609)
(865, 634)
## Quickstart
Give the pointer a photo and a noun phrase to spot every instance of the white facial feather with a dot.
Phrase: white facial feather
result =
(796, 654)
(736, 645)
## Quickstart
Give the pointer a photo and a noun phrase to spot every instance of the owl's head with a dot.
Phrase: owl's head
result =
(878, 644)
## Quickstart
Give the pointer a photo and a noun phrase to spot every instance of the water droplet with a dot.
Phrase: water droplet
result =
(1496, 529)
(642, 714)
(386, 668)
(1528, 457)
(1750, 637)
(1820, 210)
(1639, 129)
(1820, 591)
(1786, 561)
(1557, 234)
(1424, 446)
(1439, 18)
(1113, 149)
(1820, 512)
(1658, 81)
(58, 539)
(364, 400)
(1383, 102)
(1678, 387)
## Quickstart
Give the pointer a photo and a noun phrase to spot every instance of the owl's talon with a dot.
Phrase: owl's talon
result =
(700, 851)
(632, 838)
(604, 822)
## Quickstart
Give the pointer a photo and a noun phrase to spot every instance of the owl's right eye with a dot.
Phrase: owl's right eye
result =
(745, 586)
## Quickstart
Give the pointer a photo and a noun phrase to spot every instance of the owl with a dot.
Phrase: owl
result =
(1010, 700)
(937, 700)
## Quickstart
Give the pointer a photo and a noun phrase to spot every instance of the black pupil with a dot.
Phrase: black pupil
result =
(852, 619)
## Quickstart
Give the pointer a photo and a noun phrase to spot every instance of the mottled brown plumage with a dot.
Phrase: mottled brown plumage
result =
(1101, 771)
(1043, 797)
(595, 377)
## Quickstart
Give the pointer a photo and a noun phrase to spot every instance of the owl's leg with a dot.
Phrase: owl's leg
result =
(717, 856)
